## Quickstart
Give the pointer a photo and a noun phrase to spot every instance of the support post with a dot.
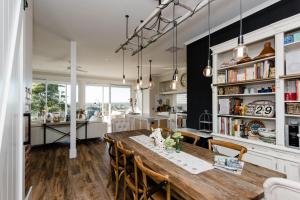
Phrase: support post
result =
(73, 151)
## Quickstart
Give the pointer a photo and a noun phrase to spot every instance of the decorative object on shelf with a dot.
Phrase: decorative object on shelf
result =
(292, 134)
(288, 39)
(178, 137)
(56, 117)
(221, 91)
(233, 90)
(253, 126)
(261, 108)
(80, 114)
(244, 60)
(183, 80)
(241, 51)
(235, 104)
(267, 135)
(205, 122)
(293, 108)
(207, 71)
(267, 51)
(292, 92)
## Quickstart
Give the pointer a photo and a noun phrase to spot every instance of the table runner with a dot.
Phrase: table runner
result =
(184, 160)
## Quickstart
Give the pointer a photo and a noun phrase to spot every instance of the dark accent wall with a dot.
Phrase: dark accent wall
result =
(199, 96)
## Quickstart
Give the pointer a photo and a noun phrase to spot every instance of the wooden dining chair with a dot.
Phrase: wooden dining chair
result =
(190, 137)
(115, 164)
(228, 145)
(158, 191)
(130, 174)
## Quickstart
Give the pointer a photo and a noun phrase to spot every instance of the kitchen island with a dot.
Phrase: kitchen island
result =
(146, 121)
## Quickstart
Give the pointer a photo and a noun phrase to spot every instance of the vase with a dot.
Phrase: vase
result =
(177, 145)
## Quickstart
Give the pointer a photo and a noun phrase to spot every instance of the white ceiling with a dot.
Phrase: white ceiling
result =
(98, 26)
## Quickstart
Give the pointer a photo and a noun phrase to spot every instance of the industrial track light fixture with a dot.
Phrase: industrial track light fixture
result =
(156, 24)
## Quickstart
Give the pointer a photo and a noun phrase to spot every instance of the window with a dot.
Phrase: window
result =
(93, 100)
(52, 97)
(120, 100)
(38, 104)
(108, 100)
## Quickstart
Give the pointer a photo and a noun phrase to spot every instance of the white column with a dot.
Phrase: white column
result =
(73, 151)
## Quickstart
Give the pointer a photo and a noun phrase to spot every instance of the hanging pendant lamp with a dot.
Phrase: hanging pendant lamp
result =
(138, 80)
(241, 50)
(123, 68)
(150, 76)
(207, 71)
(174, 82)
(141, 53)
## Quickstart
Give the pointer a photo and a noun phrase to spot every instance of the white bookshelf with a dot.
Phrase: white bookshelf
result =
(246, 64)
(278, 156)
(248, 95)
(248, 117)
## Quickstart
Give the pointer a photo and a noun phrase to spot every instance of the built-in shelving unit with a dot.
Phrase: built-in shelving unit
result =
(276, 152)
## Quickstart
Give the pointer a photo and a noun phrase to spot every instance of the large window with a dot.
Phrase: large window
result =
(50, 97)
(120, 100)
(108, 100)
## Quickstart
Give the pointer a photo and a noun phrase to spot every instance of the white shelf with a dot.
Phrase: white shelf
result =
(248, 95)
(248, 117)
(293, 45)
(245, 64)
(255, 81)
(292, 101)
(290, 115)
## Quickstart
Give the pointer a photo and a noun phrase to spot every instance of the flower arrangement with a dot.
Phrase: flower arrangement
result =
(177, 136)
(169, 142)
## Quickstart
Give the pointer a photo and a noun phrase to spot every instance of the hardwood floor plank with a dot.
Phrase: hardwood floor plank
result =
(55, 177)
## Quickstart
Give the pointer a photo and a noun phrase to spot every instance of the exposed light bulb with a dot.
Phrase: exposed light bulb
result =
(141, 82)
(124, 81)
(137, 84)
(240, 51)
(150, 84)
(207, 71)
(173, 85)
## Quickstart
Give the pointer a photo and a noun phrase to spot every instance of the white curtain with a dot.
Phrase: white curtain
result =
(11, 98)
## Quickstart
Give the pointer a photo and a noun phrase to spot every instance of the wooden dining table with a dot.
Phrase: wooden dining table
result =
(213, 184)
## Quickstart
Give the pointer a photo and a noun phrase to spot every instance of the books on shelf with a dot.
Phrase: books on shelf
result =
(293, 87)
(230, 126)
(260, 70)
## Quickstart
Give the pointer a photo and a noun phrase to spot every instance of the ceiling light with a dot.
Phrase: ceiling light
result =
(175, 74)
(123, 68)
(207, 71)
(150, 76)
(241, 50)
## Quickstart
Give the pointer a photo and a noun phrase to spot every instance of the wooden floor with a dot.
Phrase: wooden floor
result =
(54, 176)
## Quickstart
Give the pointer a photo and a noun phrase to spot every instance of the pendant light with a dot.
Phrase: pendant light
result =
(207, 72)
(174, 82)
(123, 68)
(241, 50)
(126, 35)
(138, 80)
(141, 53)
(150, 76)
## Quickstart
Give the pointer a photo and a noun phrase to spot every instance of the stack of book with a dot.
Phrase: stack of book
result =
(293, 86)
(230, 126)
(229, 164)
(261, 70)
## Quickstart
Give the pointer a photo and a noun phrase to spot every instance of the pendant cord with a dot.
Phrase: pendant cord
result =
(138, 55)
(208, 24)
(176, 47)
(141, 54)
(241, 19)
(123, 60)
(173, 36)
(127, 16)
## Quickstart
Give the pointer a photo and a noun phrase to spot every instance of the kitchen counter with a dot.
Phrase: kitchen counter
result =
(146, 121)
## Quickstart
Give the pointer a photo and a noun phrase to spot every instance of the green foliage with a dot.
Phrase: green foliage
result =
(55, 102)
